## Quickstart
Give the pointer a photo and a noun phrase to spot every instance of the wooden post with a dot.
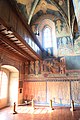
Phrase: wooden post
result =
(72, 105)
(51, 105)
(33, 104)
(14, 108)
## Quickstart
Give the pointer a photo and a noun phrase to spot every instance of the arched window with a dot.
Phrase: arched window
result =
(3, 85)
(47, 39)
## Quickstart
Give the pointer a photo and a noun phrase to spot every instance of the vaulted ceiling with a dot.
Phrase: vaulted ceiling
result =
(53, 9)
(34, 9)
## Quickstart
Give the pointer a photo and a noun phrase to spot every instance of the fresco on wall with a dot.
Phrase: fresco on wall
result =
(59, 26)
(65, 46)
(72, 62)
(77, 46)
(22, 8)
(61, 29)
(50, 65)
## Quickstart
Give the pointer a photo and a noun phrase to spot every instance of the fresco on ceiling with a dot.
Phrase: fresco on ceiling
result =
(23, 10)
(72, 62)
(65, 46)
(44, 5)
(77, 11)
(27, 3)
(63, 5)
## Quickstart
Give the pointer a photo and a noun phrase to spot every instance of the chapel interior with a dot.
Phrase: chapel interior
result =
(40, 52)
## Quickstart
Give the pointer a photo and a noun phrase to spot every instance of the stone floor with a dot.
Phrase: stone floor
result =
(40, 113)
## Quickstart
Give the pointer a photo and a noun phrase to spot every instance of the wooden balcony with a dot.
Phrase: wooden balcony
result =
(15, 34)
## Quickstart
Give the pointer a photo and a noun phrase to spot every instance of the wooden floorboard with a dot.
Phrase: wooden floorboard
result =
(40, 113)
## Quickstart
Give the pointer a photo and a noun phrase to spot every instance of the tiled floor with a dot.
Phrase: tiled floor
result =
(39, 113)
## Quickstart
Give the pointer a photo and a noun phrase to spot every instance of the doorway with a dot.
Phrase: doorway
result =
(12, 92)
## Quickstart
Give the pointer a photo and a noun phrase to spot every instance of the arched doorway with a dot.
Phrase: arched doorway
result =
(11, 74)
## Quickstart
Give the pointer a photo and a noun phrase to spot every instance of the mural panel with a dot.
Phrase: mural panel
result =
(56, 91)
(75, 89)
(65, 46)
(61, 29)
(72, 62)
(77, 46)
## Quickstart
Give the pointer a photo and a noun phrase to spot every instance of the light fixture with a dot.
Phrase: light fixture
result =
(37, 33)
